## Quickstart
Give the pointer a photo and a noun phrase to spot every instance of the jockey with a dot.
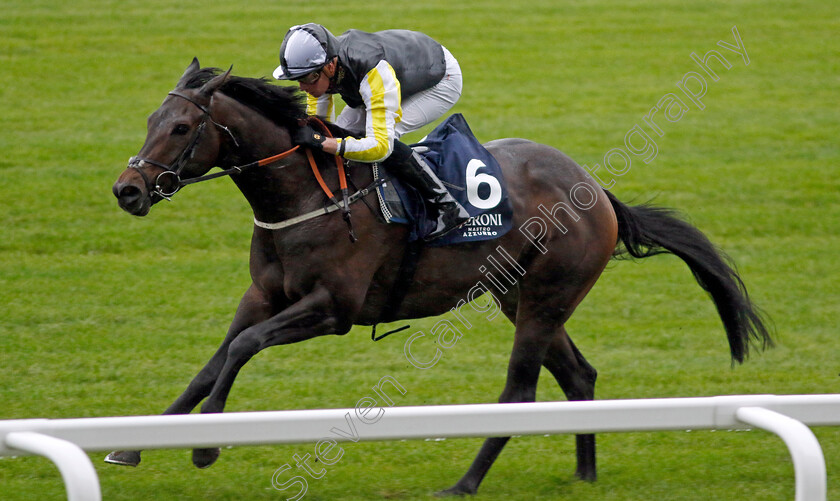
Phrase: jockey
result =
(393, 82)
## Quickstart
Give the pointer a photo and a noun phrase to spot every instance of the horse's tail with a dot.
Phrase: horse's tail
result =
(646, 231)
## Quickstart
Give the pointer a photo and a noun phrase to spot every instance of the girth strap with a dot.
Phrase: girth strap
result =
(355, 197)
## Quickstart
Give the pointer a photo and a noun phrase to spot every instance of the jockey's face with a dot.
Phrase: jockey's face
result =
(320, 85)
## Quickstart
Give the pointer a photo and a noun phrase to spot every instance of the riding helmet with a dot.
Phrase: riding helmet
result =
(305, 48)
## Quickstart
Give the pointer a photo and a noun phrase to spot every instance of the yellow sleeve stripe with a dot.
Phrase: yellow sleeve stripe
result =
(377, 122)
(311, 105)
(321, 106)
(381, 93)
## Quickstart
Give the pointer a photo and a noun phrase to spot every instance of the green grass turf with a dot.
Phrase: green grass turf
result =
(104, 314)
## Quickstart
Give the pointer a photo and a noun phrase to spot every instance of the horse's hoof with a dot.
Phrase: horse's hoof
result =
(455, 490)
(124, 458)
(203, 458)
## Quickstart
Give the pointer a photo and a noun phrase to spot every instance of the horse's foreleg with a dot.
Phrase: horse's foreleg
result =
(252, 309)
(577, 379)
(310, 317)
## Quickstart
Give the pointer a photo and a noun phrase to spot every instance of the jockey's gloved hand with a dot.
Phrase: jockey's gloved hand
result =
(306, 136)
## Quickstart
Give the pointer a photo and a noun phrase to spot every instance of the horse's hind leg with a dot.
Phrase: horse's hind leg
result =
(577, 379)
(540, 346)
(529, 347)
(544, 306)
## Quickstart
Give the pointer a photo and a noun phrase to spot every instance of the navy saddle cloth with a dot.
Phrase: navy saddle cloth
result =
(471, 175)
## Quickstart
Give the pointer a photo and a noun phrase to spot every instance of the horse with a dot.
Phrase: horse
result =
(309, 279)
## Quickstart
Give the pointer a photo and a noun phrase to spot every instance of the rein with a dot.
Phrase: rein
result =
(180, 162)
(342, 180)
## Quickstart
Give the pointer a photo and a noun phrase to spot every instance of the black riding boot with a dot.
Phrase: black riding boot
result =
(410, 167)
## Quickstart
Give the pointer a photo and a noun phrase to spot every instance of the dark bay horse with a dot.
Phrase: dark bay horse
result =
(310, 280)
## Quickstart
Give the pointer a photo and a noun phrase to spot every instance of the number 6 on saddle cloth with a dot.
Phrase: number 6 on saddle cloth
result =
(471, 175)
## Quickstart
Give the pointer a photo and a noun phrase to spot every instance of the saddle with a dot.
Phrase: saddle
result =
(471, 174)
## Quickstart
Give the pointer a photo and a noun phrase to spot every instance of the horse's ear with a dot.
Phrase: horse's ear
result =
(213, 85)
(192, 68)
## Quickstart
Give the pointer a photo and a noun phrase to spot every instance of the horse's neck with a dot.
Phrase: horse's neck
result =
(273, 190)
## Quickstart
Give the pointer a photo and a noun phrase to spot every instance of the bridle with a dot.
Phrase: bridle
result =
(175, 168)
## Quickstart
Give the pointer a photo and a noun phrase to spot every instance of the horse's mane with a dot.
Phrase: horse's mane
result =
(283, 105)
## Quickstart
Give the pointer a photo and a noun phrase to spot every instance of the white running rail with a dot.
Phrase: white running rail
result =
(64, 441)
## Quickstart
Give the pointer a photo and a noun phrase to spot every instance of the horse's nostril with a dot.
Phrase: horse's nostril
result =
(127, 192)
(132, 198)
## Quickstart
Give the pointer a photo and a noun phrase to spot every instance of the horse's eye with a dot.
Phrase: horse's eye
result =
(180, 130)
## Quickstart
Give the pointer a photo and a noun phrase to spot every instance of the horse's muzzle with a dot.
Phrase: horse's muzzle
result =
(132, 198)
